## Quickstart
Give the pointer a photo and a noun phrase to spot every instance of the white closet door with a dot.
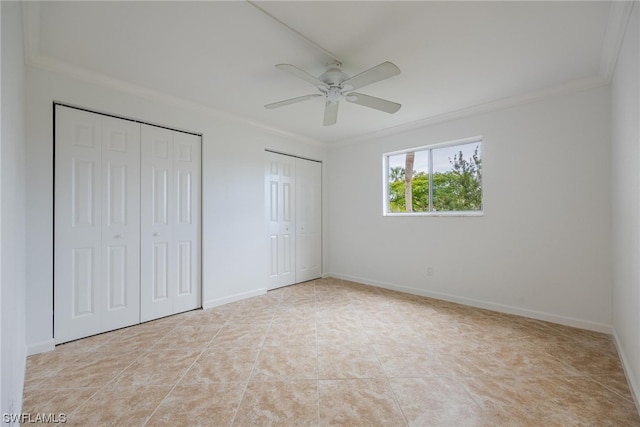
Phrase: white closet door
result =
(96, 282)
(77, 224)
(157, 252)
(186, 227)
(170, 222)
(280, 211)
(308, 220)
(127, 223)
(120, 223)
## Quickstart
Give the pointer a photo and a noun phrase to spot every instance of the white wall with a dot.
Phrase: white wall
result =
(625, 124)
(542, 247)
(12, 224)
(234, 242)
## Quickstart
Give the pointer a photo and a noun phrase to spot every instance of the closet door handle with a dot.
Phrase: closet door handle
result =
(156, 234)
(118, 236)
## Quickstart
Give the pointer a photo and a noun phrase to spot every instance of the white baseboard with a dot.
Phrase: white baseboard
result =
(233, 298)
(502, 308)
(41, 347)
(634, 387)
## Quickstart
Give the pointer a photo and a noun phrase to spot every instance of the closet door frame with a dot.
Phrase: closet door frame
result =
(288, 220)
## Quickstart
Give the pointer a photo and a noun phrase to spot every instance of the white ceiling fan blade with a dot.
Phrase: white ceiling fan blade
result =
(291, 101)
(330, 113)
(301, 74)
(373, 102)
(372, 75)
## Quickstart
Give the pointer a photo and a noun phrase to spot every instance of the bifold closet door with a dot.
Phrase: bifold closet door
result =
(280, 210)
(294, 219)
(170, 222)
(96, 225)
(308, 220)
(126, 223)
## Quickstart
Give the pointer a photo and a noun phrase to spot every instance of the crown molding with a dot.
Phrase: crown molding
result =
(99, 79)
(499, 104)
(619, 13)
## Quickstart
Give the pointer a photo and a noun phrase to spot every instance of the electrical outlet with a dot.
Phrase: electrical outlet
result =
(429, 271)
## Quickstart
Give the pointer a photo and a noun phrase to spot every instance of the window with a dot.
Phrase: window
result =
(435, 180)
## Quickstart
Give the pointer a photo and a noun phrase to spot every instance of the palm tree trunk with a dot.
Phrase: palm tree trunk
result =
(408, 177)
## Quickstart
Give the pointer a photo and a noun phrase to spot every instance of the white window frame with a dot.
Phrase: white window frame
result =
(385, 179)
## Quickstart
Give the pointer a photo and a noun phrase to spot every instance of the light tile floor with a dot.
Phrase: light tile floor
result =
(331, 352)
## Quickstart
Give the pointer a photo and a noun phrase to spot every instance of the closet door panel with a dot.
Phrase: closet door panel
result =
(157, 252)
(77, 225)
(286, 205)
(186, 227)
(272, 189)
(121, 222)
(272, 192)
(287, 227)
(280, 211)
(308, 220)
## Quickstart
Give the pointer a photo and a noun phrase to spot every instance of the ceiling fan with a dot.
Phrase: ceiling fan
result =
(334, 85)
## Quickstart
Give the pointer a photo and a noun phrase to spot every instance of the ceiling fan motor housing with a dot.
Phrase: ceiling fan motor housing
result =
(334, 76)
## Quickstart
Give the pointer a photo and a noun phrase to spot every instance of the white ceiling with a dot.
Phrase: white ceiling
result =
(221, 55)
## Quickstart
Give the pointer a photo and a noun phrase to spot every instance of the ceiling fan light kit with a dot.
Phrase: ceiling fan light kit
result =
(334, 84)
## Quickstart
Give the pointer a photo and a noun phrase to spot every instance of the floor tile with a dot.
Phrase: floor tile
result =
(616, 382)
(252, 315)
(282, 403)
(585, 359)
(286, 363)
(131, 406)
(504, 360)
(340, 333)
(437, 401)
(212, 316)
(92, 343)
(159, 367)
(367, 402)
(291, 332)
(222, 364)
(199, 405)
(348, 361)
(516, 401)
(582, 399)
(56, 400)
(140, 338)
(413, 364)
(241, 334)
(45, 365)
(95, 370)
(192, 336)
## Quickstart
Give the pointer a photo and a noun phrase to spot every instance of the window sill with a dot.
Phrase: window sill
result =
(452, 214)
